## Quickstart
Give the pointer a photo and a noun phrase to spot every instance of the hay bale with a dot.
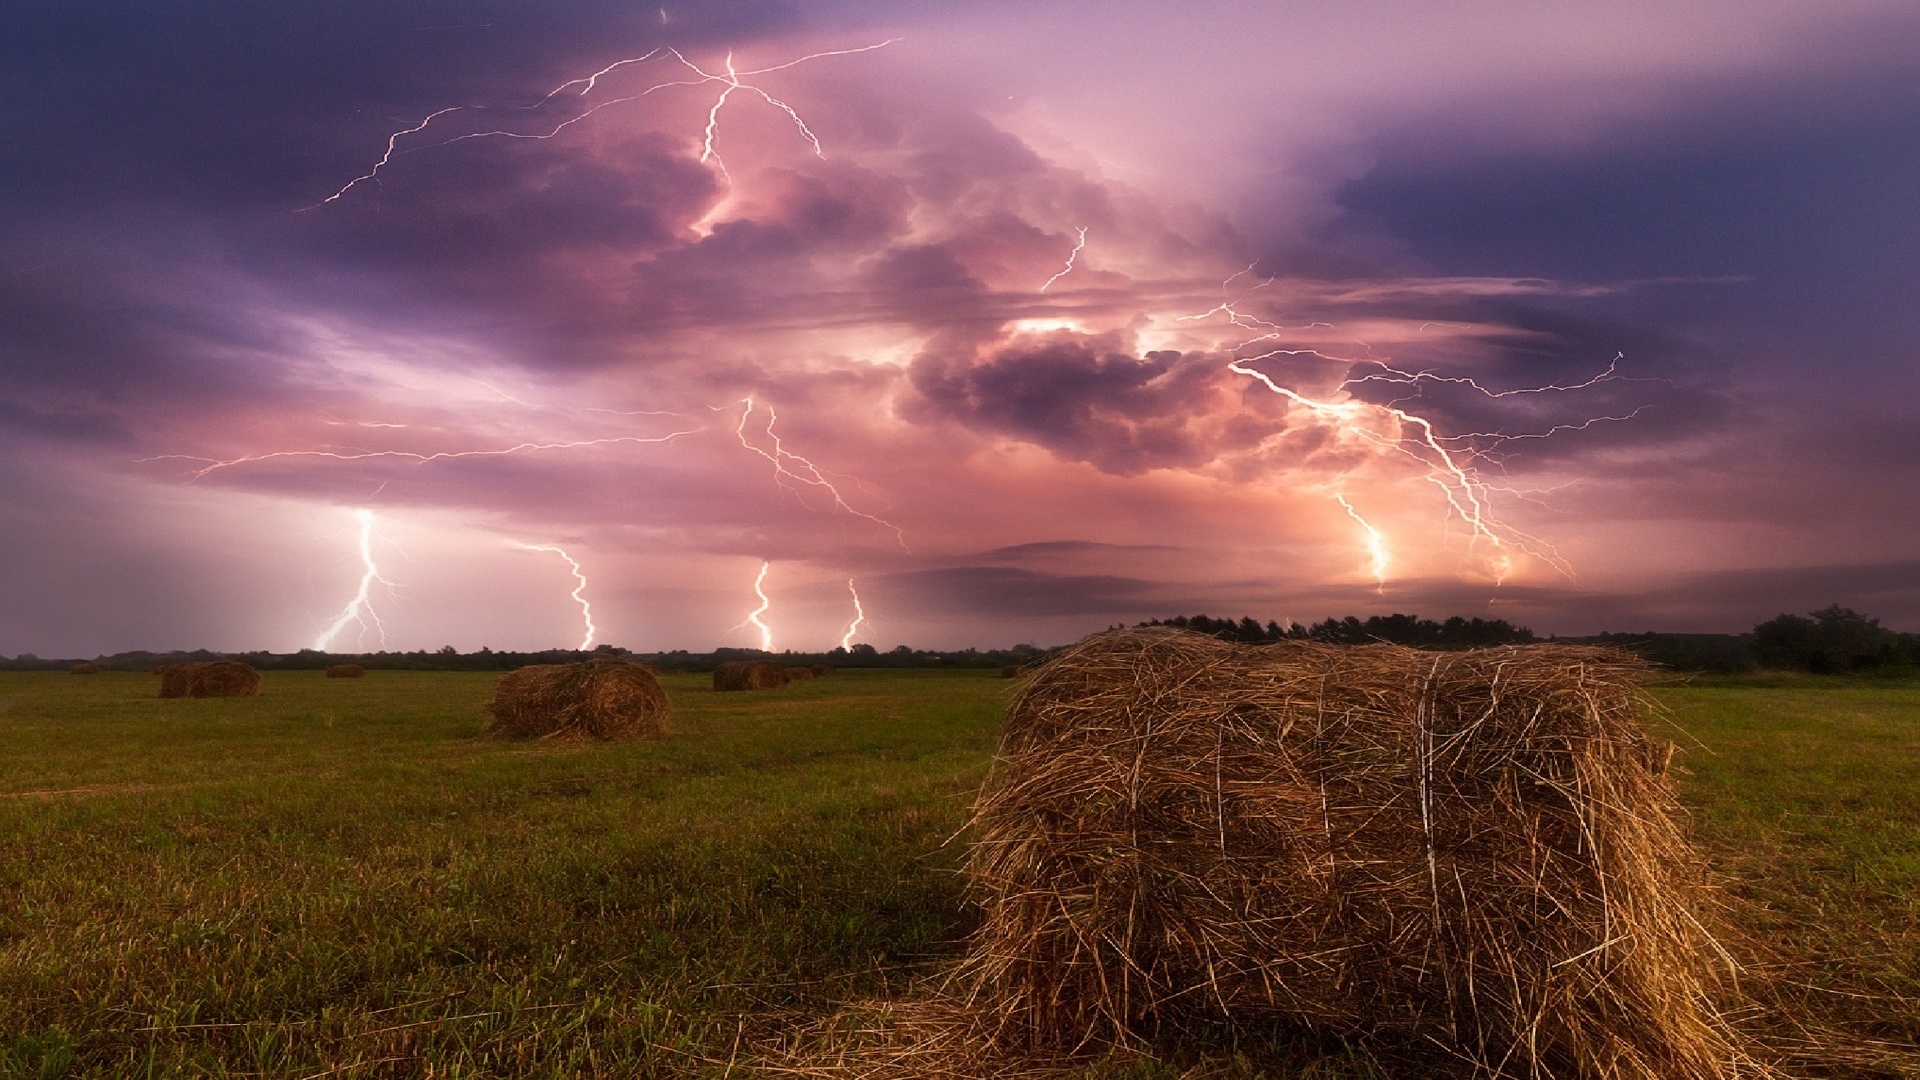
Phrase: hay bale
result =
(84, 667)
(796, 673)
(1467, 851)
(346, 671)
(208, 678)
(1010, 671)
(594, 699)
(749, 675)
(821, 671)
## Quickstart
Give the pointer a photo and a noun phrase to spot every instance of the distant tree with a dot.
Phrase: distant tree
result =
(1829, 640)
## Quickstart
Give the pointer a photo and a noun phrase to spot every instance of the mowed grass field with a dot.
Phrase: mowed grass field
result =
(340, 878)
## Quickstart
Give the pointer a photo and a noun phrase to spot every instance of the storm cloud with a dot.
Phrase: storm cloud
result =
(1023, 321)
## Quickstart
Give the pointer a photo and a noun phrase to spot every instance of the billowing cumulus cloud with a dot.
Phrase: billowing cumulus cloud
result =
(1069, 320)
(1086, 399)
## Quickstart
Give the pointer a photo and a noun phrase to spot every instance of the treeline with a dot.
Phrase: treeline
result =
(1829, 641)
(451, 659)
(1834, 640)
(1410, 630)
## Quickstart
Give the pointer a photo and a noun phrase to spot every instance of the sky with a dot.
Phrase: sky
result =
(359, 325)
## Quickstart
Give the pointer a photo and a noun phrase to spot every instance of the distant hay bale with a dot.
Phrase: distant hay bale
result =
(821, 671)
(796, 673)
(1010, 671)
(749, 675)
(345, 671)
(1470, 851)
(84, 667)
(594, 699)
(208, 678)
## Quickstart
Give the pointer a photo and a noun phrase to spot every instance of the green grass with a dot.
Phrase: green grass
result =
(338, 878)
(1806, 791)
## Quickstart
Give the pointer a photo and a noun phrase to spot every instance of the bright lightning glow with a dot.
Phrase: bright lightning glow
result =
(859, 616)
(808, 474)
(1465, 494)
(1071, 255)
(766, 632)
(579, 590)
(730, 80)
(1449, 462)
(359, 609)
(1376, 545)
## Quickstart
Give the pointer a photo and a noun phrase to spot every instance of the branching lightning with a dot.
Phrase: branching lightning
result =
(1449, 462)
(859, 616)
(579, 589)
(803, 471)
(360, 608)
(730, 79)
(212, 465)
(1071, 256)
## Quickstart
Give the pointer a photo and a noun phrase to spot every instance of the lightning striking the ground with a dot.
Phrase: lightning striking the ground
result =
(359, 609)
(1376, 545)
(859, 616)
(1078, 246)
(579, 589)
(808, 473)
(754, 617)
(730, 78)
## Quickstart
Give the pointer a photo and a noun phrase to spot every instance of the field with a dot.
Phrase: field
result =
(338, 878)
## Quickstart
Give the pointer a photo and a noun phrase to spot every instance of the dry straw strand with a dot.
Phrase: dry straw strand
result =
(595, 699)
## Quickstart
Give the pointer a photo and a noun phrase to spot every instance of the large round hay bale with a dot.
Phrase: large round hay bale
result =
(84, 667)
(821, 671)
(749, 675)
(595, 699)
(208, 678)
(796, 673)
(345, 671)
(1467, 851)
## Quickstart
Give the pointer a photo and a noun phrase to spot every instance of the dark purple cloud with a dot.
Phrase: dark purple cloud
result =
(1085, 399)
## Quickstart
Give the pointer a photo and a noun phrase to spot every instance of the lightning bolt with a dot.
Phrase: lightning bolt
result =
(360, 608)
(212, 465)
(808, 473)
(579, 589)
(1414, 436)
(730, 80)
(1071, 255)
(1449, 462)
(1376, 545)
(859, 616)
(753, 617)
